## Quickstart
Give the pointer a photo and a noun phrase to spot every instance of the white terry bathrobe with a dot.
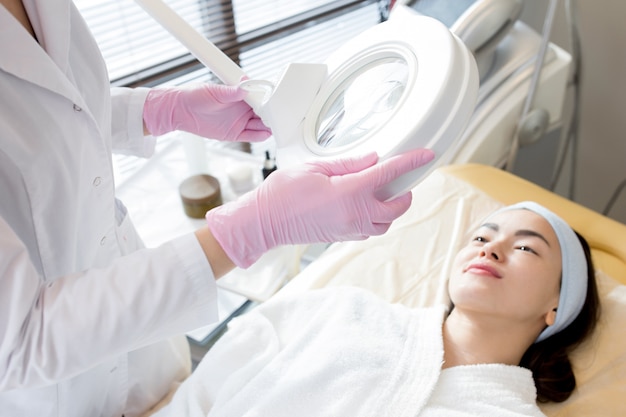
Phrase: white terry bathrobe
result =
(342, 351)
(83, 327)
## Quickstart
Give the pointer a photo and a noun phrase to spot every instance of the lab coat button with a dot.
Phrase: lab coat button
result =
(103, 240)
(77, 108)
(97, 181)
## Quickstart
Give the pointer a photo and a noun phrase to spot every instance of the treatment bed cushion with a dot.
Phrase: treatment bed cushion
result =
(409, 265)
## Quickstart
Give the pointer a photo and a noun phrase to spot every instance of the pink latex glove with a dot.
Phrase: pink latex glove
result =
(316, 202)
(209, 110)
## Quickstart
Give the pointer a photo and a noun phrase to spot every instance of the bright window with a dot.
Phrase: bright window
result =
(260, 35)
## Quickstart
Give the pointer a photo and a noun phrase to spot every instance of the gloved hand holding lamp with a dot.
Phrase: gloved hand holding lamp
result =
(316, 202)
(209, 110)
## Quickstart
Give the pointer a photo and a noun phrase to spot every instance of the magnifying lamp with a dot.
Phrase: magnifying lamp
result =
(403, 84)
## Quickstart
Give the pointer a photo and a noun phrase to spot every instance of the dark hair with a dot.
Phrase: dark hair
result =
(548, 360)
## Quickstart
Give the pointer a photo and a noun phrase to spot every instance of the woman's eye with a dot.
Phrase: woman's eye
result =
(526, 249)
(479, 239)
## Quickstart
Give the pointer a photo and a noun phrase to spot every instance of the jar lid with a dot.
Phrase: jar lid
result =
(200, 189)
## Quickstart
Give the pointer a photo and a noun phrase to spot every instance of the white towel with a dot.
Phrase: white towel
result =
(483, 390)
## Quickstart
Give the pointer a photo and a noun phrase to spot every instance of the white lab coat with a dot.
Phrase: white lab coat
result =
(71, 304)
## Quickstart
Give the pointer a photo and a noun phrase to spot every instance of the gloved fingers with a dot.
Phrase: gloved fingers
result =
(390, 169)
(372, 229)
(253, 136)
(345, 166)
(225, 93)
(378, 229)
(387, 211)
(255, 123)
(248, 128)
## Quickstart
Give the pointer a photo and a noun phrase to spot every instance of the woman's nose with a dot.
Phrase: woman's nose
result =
(489, 250)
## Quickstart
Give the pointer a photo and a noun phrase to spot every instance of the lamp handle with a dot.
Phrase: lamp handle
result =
(204, 50)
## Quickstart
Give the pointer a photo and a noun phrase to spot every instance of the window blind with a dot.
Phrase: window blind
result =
(260, 35)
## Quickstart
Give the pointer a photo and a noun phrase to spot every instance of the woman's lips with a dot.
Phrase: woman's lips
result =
(483, 269)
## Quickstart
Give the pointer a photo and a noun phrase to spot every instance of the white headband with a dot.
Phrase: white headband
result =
(574, 268)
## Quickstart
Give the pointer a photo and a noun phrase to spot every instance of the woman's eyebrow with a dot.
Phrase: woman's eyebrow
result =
(521, 232)
(525, 232)
(491, 226)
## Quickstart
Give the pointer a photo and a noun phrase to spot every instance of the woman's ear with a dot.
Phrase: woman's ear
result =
(551, 317)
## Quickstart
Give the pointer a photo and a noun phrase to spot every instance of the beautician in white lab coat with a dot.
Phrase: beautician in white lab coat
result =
(89, 324)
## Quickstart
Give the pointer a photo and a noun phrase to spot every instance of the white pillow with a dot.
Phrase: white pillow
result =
(600, 362)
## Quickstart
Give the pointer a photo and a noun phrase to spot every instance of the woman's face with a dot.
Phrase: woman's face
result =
(510, 269)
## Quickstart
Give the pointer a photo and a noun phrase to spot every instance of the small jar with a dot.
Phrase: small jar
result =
(200, 193)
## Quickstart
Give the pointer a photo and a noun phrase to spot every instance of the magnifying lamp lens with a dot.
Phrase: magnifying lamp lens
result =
(365, 101)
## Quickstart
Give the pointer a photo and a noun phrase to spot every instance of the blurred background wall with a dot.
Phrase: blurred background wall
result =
(600, 156)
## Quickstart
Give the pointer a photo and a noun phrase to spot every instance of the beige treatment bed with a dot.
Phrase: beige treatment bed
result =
(408, 265)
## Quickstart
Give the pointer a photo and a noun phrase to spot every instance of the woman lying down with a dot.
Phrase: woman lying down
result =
(523, 294)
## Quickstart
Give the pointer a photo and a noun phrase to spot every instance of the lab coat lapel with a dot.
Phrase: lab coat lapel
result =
(54, 19)
(23, 57)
